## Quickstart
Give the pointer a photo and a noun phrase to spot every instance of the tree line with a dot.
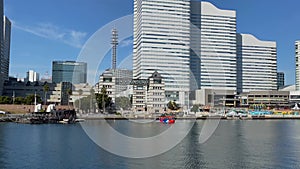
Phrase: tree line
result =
(28, 100)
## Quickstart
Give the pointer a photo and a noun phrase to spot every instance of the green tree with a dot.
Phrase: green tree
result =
(46, 88)
(29, 100)
(103, 100)
(172, 105)
(195, 108)
(123, 102)
(19, 100)
(80, 92)
(69, 93)
(5, 100)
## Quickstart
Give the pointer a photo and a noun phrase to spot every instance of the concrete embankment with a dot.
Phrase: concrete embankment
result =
(269, 117)
(23, 109)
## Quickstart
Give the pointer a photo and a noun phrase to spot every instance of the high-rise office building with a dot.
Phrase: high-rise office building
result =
(1, 46)
(257, 64)
(161, 43)
(213, 46)
(69, 71)
(6, 48)
(2, 31)
(194, 45)
(297, 59)
(5, 31)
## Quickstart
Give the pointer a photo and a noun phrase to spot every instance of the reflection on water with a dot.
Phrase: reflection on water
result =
(235, 144)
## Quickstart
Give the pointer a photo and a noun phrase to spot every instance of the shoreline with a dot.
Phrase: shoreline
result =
(200, 118)
(13, 119)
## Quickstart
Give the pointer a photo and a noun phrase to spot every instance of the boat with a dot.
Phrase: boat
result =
(79, 120)
(167, 119)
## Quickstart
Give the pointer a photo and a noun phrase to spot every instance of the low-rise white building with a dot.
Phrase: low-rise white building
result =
(59, 95)
(115, 81)
(149, 94)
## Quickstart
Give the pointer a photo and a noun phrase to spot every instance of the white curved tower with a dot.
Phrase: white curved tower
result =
(215, 65)
(257, 64)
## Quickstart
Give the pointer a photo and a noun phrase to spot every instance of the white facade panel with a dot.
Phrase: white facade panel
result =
(161, 41)
(214, 66)
(257, 64)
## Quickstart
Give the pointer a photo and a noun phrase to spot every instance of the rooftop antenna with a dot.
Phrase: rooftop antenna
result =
(114, 42)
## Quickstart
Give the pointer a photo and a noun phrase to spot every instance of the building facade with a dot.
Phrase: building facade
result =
(156, 94)
(161, 42)
(32, 76)
(280, 80)
(15, 88)
(140, 87)
(115, 81)
(5, 34)
(257, 64)
(1, 45)
(271, 99)
(6, 48)
(215, 98)
(108, 81)
(149, 94)
(59, 95)
(213, 46)
(297, 59)
(69, 71)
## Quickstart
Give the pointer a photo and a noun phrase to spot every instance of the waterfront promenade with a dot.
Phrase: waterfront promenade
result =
(23, 109)
(20, 111)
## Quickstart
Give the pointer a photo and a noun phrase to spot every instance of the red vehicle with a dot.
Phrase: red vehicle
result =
(167, 119)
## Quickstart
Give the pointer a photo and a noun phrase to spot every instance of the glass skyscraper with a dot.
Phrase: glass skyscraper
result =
(69, 71)
(6, 48)
(5, 33)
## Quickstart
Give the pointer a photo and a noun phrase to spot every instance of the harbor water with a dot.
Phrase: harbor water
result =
(234, 144)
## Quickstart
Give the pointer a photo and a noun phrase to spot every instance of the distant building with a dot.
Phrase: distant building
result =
(59, 95)
(271, 99)
(32, 76)
(69, 71)
(115, 81)
(149, 94)
(280, 80)
(15, 88)
(215, 97)
(46, 78)
(256, 64)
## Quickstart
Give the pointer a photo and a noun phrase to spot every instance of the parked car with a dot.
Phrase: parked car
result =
(3, 112)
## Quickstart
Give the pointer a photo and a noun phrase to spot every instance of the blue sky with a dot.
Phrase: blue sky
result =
(47, 30)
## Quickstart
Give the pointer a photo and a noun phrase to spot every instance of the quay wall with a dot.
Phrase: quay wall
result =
(22, 109)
